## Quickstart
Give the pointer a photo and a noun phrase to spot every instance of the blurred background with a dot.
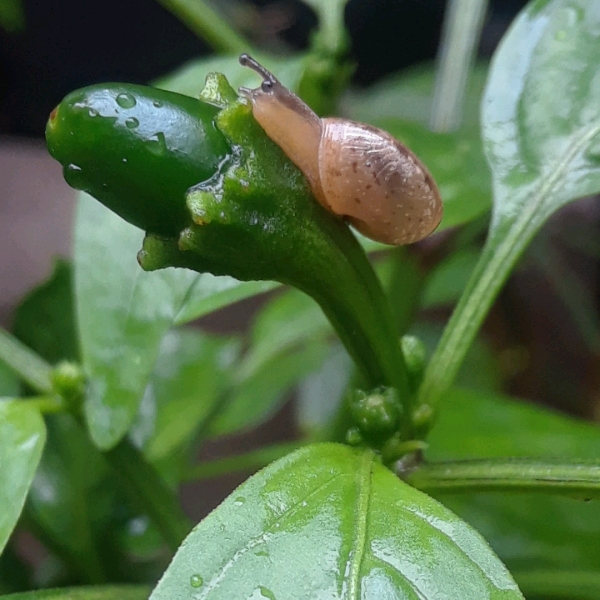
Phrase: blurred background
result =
(544, 330)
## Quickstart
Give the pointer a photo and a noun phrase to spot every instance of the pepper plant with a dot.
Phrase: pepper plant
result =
(404, 484)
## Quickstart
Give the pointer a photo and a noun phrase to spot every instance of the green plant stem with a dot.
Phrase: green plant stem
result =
(251, 461)
(550, 584)
(149, 492)
(207, 24)
(28, 365)
(581, 479)
(462, 28)
(47, 405)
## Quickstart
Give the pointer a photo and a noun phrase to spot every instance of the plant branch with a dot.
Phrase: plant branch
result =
(251, 461)
(575, 478)
(207, 24)
(28, 365)
(462, 28)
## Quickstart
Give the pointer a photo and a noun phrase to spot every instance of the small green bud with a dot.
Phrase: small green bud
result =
(354, 437)
(376, 413)
(68, 382)
(415, 357)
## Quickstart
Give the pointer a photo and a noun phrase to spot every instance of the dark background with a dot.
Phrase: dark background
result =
(67, 44)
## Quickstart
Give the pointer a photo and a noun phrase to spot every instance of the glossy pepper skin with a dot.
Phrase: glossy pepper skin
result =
(147, 145)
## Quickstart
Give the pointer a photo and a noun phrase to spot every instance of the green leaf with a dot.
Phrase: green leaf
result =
(9, 383)
(190, 375)
(289, 320)
(189, 79)
(45, 320)
(449, 278)
(257, 395)
(319, 395)
(212, 293)
(347, 527)
(71, 499)
(457, 164)
(528, 531)
(123, 592)
(408, 95)
(287, 343)
(123, 314)
(22, 437)
(541, 131)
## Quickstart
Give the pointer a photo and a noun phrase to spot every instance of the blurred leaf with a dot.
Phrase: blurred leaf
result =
(71, 498)
(528, 531)
(9, 383)
(212, 293)
(189, 79)
(123, 592)
(408, 95)
(286, 321)
(449, 278)
(541, 131)
(286, 343)
(349, 527)
(15, 573)
(12, 15)
(481, 368)
(45, 319)
(578, 299)
(190, 376)
(260, 392)
(457, 164)
(319, 394)
(22, 437)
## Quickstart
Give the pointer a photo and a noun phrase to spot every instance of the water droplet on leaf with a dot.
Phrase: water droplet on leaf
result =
(157, 144)
(126, 100)
(196, 581)
(131, 123)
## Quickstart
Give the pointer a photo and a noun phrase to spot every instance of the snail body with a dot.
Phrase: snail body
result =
(354, 170)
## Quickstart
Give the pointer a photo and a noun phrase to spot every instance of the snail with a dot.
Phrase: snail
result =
(355, 171)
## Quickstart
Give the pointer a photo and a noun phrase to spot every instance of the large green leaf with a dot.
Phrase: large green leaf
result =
(541, 131)
(528, 531)
(123, 314)
(123, 592)
(22, 437)
(329, 521)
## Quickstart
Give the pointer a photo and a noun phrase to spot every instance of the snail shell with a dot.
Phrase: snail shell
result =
(356, 171)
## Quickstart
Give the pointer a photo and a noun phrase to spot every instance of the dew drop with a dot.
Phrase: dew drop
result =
(124, 160)
(239, 501)
(157, 144)
(157, 104)
(196, 580)
(126, 100)
(74, 176)
(93, 112)
(131, 123)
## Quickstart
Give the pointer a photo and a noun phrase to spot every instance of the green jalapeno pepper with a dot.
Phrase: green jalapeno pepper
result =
(120, 140)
